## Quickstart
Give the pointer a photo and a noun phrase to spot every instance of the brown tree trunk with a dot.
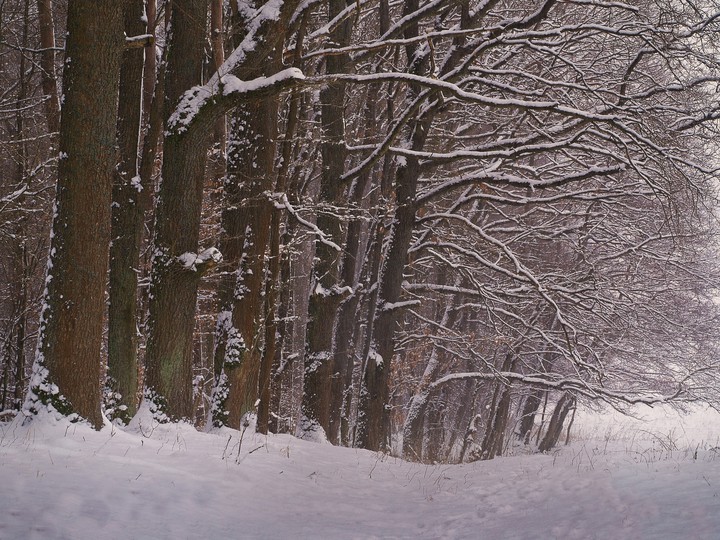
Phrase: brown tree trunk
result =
(127, 228)
(272, 350)
(499, 410)
(20, 331)
(67, 370)
(173, 290)
(373, 419)
(527, 418)
(326, 293)
(246, 224)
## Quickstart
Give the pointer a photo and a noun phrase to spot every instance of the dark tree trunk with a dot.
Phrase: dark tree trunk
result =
(20, 329)
(273, 339)
(326, 293)
(173, 290)
(127, 228)
(492, 444)
(47, 63)
(527, 419)
(554, 430)
(373, 419)
(246, 224)
(68, 367)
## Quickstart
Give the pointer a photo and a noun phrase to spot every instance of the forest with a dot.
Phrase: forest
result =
(427, 227)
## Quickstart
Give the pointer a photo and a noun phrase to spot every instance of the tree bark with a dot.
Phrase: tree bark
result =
(246, 224)
(127, 228)
(67, 370)
(499, 410)
(326, 293)
(173, 290)
(47, 64)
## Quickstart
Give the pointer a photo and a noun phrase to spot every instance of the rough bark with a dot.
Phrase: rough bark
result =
(326, 293)
(373, 419)
(173, 291)
(273, 339)
(68, 370)
(246, 222)
(127, 227)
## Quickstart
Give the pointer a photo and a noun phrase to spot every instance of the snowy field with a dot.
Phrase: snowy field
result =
(655, 478)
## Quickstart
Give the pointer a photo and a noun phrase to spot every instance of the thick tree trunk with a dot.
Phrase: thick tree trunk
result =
(127, 228)
(246, 224)
(272, 351)
(173, 290)
(373, 420)
(68, 370)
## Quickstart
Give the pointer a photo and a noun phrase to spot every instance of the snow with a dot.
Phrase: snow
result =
(620, 479)
(190, 261)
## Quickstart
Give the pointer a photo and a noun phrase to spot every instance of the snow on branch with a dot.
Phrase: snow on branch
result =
(200, 262)
(282, 203)
(224, 89)
(225, 92)
(138, 42)
(563, 383)
(489, 177)
(7, 199)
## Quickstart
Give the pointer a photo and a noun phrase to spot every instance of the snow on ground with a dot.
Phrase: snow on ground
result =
(620, 479)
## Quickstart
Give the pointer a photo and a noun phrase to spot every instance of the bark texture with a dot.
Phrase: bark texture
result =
(72, 321)
(177, 224)
(127, 226)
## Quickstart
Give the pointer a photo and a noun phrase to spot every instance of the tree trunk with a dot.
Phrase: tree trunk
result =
(173, 290)
(272, 351)
(326, 293)
(67, 370)
(373, 422)
(246, 223)
(499, 410)
(415, 419)
(554, 431)
(527, 418)
(47, 63)
(127, 228)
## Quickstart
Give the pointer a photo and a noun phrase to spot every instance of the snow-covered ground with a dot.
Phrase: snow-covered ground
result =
(658, 478)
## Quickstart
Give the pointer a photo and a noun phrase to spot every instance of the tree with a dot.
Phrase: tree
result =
(191, 111)
(67, 370)
(127, 227)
